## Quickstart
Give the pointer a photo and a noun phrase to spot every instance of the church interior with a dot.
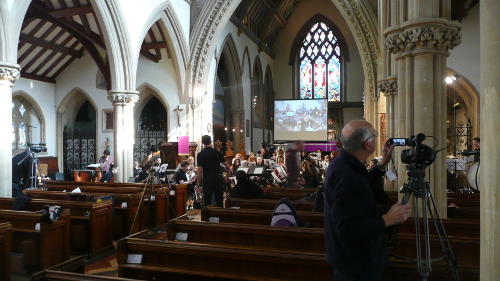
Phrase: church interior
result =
(147, 79)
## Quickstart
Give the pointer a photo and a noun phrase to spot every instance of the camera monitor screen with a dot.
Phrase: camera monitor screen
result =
(300, 119)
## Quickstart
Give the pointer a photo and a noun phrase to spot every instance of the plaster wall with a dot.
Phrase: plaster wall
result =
(136, 14)
(162, 76)
(465, 58)
(43, 93)
(282, 71)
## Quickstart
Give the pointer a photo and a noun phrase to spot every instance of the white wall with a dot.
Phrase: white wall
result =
(465, 58)
(43, 93)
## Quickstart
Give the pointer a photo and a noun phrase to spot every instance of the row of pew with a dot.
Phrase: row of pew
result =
(237, 243)
(83, 227)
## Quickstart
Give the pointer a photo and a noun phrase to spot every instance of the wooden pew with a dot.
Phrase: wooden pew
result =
(125, 209)
(5, 240)
(453, 227)
(90, 229)
(275, 237)
(261, 217)
(404, 270)
(169, 260)
(51, 241)
(266, 204)
(178, 200)
(71, 270)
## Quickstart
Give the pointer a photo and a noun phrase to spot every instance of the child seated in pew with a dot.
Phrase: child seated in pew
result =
(245, 188)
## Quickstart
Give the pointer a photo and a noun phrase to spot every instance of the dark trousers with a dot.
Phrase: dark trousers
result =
(16, 190)
(215, 185)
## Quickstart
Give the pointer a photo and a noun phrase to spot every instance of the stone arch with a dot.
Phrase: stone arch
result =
(228, 63)
(269, 102)
(37, 110)
(66, 112)
(257, 103)
(176, 40)
(122, 64)
(146, 93)
(11, 20)
(468, 94)
(245, 61)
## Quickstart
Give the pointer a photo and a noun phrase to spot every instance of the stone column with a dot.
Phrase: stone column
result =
(490, 118)
(421, 46)
(9, 74)
(123, 131)
(390, 89)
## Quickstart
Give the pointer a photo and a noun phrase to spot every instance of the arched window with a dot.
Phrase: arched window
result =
(319, 64)
(20, 124)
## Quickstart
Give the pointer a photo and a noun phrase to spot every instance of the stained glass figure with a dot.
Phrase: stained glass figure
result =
(319, 64)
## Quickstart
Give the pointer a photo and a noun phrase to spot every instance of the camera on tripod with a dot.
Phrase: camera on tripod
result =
(37, 147)
(419, 153)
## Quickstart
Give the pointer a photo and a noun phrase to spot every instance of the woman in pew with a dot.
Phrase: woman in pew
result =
(245, 188)
(108, 176)
(143, 175)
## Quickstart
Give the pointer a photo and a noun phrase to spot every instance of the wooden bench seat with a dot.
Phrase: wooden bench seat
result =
(49, 246)
(125, 209)
(261, 217)
(163, 259)
(266, 204)
(285, 238)
(453, 227)
(90, 230)
(5, 244)
(160, 205)
(71, 270)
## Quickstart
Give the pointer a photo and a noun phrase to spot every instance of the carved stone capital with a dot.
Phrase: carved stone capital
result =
(9, 73)
(388, 87)
(437, 37)
(122, 98)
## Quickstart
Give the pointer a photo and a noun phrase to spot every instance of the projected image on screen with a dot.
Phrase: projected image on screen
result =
(300, 119)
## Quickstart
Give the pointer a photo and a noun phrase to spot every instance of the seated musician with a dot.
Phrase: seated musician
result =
(108, 176)
(161, 175)
(181, 177)
(477, 145)
(143, 175)
(245, 188)
(260, 162)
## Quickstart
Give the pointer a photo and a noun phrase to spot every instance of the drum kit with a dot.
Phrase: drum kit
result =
(463, 175)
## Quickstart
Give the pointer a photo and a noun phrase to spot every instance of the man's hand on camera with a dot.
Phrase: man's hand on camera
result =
(387, 149)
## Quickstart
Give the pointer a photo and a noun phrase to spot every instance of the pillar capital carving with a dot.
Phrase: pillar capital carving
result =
(388, 87)
(437, 37)
(9, 73)
(123, 98)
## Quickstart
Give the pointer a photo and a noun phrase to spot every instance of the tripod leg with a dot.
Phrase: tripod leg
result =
(441, 233)
(140, 204)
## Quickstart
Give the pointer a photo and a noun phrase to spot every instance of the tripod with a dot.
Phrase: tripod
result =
(417, 185)
(152, 176)
(34, 170)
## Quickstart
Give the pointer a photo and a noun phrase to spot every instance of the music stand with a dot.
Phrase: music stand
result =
(455, 166)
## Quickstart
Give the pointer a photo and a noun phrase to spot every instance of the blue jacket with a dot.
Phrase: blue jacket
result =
(354, 231)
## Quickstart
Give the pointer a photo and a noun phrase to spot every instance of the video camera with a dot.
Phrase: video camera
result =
(419, 153)
(37, 147)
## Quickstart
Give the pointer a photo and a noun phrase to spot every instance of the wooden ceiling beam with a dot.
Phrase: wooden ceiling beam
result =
(37, 77)
(150, 56)
(33, 46)
(73, 11)
(154, 45)
(51, 46)
(271, 15)
(54, 53)
(70, 26)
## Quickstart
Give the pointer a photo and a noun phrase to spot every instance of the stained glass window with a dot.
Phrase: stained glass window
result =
(319, 62)
(20, 124)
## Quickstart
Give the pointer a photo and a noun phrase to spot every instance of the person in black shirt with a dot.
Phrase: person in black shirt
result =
(209, 172)
(113, 170)
(264, 154)
(20, 168)
(245, 188)
(181, 177)
(143, 175)
(477, 145)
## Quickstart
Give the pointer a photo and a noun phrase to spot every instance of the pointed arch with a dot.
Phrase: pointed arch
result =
(121, 59)
(35, 108)
(146, 93)
(229, 53)
(245, 60)
(66, 113)
(178, 46)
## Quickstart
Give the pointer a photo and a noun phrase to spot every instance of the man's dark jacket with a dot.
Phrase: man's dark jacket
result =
(354, 232)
